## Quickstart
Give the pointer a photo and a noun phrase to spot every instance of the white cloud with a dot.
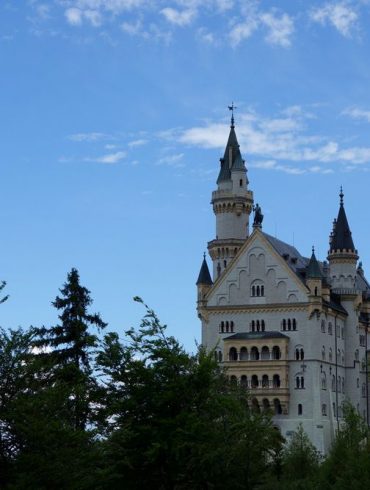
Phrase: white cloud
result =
(94, 136)
(133, 28)
(280, 28)
(74, 16)
(172, 160)
(110, 157)
(180, 18)
(242, 30)
(356, 113)
(94, 17)
(139, 142)
(341, 15)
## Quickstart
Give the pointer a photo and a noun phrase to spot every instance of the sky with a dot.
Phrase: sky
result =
(113, 117)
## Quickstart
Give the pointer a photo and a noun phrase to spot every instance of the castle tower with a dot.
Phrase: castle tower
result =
(342, 255)
(232, 204)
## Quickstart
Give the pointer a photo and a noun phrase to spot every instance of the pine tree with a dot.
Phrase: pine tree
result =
(67, 348)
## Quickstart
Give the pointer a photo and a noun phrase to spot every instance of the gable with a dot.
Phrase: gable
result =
(257, 265)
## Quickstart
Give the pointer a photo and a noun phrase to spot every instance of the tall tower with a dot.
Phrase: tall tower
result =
(232, 204)
(342, 255)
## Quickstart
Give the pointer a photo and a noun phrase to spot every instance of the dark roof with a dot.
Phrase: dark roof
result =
(256, 335)
(290, 254)
(204, 275)
(342, 236)
(313, 269)
(335, 304)
(237, 162)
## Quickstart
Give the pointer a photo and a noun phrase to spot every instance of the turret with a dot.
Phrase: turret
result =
(204, 282)
(232, 204)
(314, 277)
(342, 254)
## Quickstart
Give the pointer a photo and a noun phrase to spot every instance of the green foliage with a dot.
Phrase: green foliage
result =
(2, 286)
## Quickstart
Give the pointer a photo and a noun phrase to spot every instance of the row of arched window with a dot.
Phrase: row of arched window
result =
(299, 382)
(299, 354)
(340, 355)
(340, 330)
(257, 326)
(255, 382)
(334, 386)
(289, 324)
(254, 354)
(363, 340)
(226, 327)
(266, 406)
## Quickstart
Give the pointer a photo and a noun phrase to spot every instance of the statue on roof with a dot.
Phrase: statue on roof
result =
(258, 216)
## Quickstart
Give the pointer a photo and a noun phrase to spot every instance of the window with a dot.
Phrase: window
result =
(294, 324)
(323, 410)
(334, 411)
(276, 352)
(302, 382)
(299, 382)
(299, 354)
(333, 383)
(257, 288)
(243, 356)
(300, 410)
(254, 354)
(241, 183)
(262, 325)
(244, 381)
(302, 354)
(363, 391)
(253, 326)
(323, 355)
(330, 329)
(254, 383)
(284, 324)
(233, 354)
(356, 355)
(222, 327)
(289, 325)
(330, 354)
(265, 381)
(219, 356)
(323, 381)
(323, 326)
(276, 381)
(339, 384)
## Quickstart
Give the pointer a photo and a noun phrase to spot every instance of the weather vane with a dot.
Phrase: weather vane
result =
(232, 107)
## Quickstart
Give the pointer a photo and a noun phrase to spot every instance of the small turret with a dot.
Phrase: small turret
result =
(314, 276)
(204, 282)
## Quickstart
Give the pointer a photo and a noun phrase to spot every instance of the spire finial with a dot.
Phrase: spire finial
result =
(204, 255)
(232, 107)
(313, 249)
(341, 195)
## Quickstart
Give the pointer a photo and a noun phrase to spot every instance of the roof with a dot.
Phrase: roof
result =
(313, 269)
(342, 236)
(232, 149)
(256, 335)
(291, 255)
(204, 275)
(335, 304)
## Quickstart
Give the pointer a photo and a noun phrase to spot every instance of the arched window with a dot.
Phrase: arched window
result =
(330, 328)
(262, 290)
(254, 354)
(253, 326)
(266, 404)
(333, 383)
(323, 355)
(289, 324)
(265, 353)
(257, 290)
(253, 290)
(233, 380)
(233, 354)
(277, 407)
(219, 356)
(243, 356)
(284, 324)
(302, 382)
(276, 353)
(323, 326)
(254, 382)
(339, 384)
(301, 354)
(330, 354)
(258, 325)
(232, 327)
(222, 327)
(297, 354)
(276, 381)
(323, 410)
(334, 410)
(227, 327)
(343, 357)
(241, 183)
(244, 381)
(265, 381)
(262, 325)
(323, 381)
(298, 382)
(300, 409)
(294, 324)
(339, 357)
(255, 405)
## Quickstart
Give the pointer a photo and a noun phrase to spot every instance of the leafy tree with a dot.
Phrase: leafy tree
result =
(2, 286)
(173, 420)
(15, 347)
(348, 462)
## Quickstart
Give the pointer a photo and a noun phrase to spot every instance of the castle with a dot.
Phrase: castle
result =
(292, 330)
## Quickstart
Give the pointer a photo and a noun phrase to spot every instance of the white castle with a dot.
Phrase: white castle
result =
(290, 329)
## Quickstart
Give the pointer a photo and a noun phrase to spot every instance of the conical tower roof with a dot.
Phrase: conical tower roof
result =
(313, 268)
(342, 236)
(232, 159)
(204, 275)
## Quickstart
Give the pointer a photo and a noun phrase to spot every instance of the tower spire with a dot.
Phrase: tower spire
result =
(341, 236)
(232, 107)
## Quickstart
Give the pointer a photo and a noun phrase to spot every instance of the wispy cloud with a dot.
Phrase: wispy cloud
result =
(110, 158)
(357, 113)
(94, 136)
(179, 17)
(172, 160)
(341, 15)
(139, 142)
(280, 28)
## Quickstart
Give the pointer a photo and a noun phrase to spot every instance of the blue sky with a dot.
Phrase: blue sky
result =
(113, 118)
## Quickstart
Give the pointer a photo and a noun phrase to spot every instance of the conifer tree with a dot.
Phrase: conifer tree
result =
(66, 349)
